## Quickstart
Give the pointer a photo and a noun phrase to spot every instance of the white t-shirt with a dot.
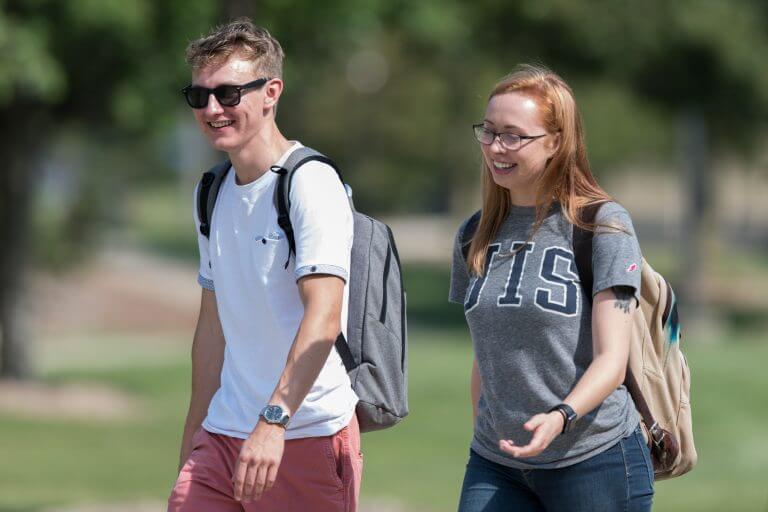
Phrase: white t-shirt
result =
(259, 306)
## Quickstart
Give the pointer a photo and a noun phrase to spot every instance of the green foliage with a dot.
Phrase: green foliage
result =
(26, 65)
(103, 77)
(622, 128)
(388, 88)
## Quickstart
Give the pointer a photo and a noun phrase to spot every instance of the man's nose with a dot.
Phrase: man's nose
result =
(213, 107)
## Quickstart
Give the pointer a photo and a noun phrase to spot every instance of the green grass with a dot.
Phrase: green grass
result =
(53, 462)
(419, 463)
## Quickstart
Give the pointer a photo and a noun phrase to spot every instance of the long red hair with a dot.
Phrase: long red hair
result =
(567, 177)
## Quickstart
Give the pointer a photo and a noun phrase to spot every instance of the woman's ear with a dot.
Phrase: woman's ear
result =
(553, 144)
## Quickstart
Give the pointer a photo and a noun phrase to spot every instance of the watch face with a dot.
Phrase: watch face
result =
(571, 421)
(273, 413)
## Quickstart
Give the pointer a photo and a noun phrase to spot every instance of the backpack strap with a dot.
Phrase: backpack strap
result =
(207, 192)
(468, 233)
(282, 197)
(582, 248)
(282, 202)
(582, 252)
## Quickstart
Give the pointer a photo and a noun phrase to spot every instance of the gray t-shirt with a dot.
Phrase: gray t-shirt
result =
(531, 329)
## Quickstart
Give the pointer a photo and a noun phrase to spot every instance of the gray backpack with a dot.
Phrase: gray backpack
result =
(375, 353)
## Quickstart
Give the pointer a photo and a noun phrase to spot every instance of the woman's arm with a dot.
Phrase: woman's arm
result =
(612, 312)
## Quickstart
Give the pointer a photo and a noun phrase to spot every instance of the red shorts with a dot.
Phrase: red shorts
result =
(319, 474)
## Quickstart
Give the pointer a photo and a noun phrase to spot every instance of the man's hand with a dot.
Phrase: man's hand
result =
(545, 428)
(259, 459)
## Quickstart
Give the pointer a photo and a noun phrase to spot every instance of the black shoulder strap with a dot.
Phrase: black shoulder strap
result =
(582, 252)
(283, 189)
(582, 248)
(207, 192)
(469, 231)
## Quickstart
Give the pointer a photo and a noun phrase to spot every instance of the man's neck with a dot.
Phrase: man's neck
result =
(253, 160)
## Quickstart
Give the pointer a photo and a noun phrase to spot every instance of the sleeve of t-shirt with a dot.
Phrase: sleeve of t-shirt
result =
(459, 272)
(322, 222)
(204, 277)
(616, 257)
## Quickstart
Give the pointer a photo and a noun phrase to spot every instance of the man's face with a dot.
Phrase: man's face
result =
(231, 128)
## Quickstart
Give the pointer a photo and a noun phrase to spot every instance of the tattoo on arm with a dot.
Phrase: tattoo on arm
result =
(624, 297)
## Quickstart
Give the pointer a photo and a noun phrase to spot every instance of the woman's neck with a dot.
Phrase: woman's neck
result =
(524, 198)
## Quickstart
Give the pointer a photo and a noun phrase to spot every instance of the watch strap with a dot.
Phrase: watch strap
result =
(282, 421)
(569, 416)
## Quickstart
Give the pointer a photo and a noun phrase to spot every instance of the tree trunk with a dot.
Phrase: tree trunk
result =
(22, 127)
(697, 225)
(14, 358)
(14, 210)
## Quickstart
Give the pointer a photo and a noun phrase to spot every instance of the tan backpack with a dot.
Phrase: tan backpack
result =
(657, 377)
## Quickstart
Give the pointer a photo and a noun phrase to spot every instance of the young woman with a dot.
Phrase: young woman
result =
(555, 429)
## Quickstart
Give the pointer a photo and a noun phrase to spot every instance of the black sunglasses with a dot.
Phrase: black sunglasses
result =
(226, 95)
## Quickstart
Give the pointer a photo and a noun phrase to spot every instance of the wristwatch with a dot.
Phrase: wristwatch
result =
(275, 415)
(569, 415)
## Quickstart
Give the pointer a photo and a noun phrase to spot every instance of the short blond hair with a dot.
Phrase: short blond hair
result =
(239, 37)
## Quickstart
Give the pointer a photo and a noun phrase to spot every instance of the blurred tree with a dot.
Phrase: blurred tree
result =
(709, 83)
(104, 68)
(389, 88)
(643, 70)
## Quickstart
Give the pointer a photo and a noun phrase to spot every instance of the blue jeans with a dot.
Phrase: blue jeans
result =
(618, 479)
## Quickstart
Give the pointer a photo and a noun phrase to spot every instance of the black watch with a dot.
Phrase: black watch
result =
(569, 415)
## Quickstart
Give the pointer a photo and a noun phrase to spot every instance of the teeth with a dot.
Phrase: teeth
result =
(502, 165)
(220, 124)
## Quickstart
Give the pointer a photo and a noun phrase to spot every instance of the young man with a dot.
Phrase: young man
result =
(271, 422)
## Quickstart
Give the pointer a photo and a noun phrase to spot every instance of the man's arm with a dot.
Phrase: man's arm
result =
(260, 456)
(207, 359)
(322, 297)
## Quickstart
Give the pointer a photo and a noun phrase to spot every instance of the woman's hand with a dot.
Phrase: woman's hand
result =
(545, 428)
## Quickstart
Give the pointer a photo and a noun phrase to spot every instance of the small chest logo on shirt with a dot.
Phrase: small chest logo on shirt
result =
(273, 236)
(632, 267)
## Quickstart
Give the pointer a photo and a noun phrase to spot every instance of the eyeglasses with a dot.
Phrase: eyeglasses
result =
(511, 141)
(226, 95)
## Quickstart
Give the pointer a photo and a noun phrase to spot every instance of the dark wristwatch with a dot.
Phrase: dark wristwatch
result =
(275, 415)
(569, 415)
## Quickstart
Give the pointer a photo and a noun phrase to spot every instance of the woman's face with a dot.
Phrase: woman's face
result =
(517, 169)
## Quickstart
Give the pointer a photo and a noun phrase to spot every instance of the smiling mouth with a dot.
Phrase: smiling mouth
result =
(503, 165)
(220, 124)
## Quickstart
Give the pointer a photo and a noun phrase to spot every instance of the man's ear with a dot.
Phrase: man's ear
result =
(272, 91)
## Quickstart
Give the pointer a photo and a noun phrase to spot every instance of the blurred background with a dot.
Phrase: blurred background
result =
(98, 293)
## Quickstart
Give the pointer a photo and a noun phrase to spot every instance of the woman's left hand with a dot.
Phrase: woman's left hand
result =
(545, 428)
